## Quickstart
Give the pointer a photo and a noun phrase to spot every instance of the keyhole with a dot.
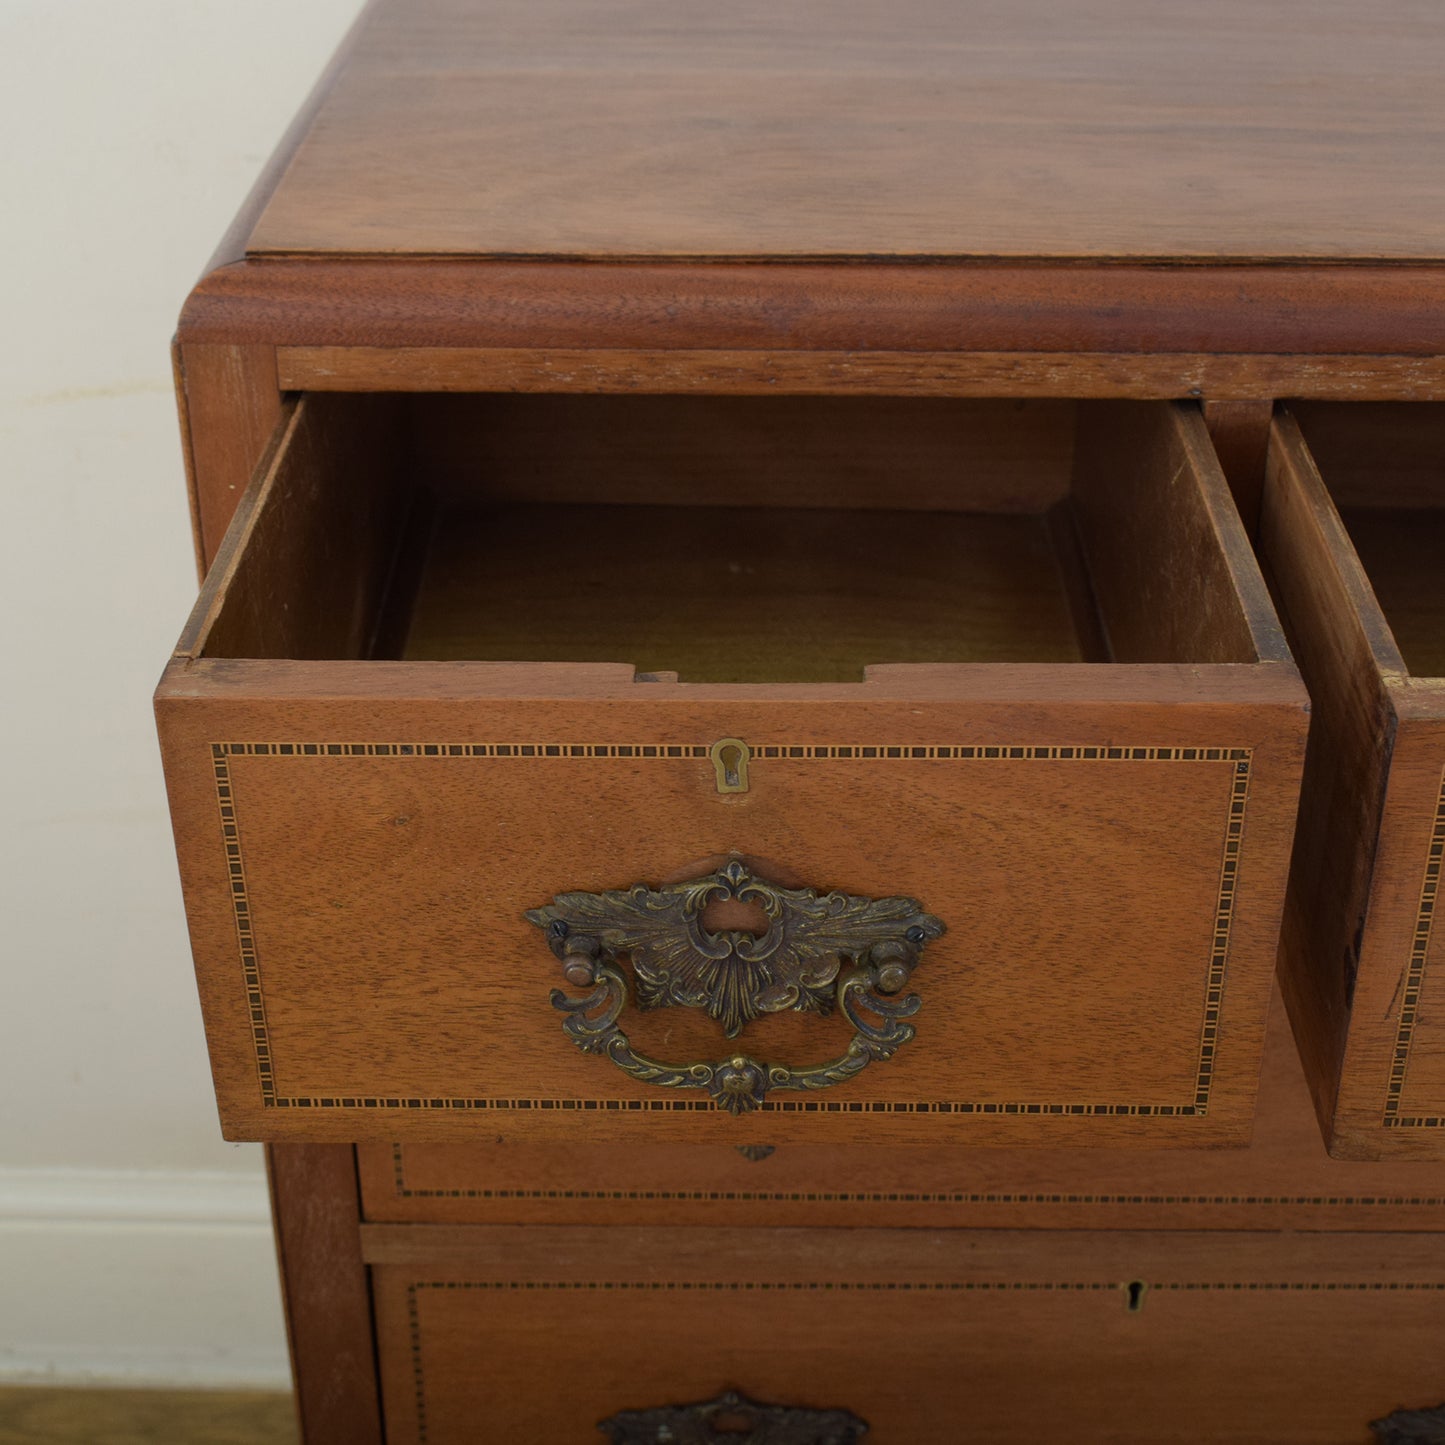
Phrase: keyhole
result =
(1135, 1290)
(730, 761)
(730, 758)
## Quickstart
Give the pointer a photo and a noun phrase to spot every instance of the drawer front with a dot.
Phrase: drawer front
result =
(1355, 536)
(919, 1336)
(1391, 1100)
(994, 902)
(1284, 1179)
(1108, 882)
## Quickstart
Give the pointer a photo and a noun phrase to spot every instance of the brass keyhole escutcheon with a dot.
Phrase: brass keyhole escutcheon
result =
(730, 762)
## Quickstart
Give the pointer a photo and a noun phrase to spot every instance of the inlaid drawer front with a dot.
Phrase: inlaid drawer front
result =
(962, 817)
(1354, 531)
(911, 1335)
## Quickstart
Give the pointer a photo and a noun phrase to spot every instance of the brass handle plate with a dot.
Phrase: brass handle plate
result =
(733, 1418)
(818, 953)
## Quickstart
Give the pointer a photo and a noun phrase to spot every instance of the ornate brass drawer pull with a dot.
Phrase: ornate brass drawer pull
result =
(720, 1419)
(817, 954)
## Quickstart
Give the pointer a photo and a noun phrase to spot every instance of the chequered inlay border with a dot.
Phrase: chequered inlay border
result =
(1415, 979)
(403, 1190)
(1241, 760)
(926, 1287)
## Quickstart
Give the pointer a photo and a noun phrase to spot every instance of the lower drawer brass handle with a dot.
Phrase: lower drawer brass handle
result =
(1408, 1427)
(818, 953)
(735, 1419)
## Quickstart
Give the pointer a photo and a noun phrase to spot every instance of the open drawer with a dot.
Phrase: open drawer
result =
(904, 770)
(1354, 532)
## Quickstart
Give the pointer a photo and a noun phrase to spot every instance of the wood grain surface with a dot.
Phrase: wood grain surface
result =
(230, 405)
(890, 453)
(1239, 431)
(1253, 379)
(952, 1335)
(316, 1213)
(1404, 556)
(743, 595)
(1358, 940)
(1392, 1085)
(1377, 454)
(546, 128)
(1109, 307)
(1342, 645)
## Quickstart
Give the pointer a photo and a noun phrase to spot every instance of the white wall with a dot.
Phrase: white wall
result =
(133, 1241)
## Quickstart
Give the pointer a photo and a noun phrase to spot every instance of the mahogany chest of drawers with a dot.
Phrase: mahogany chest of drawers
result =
(778, 583)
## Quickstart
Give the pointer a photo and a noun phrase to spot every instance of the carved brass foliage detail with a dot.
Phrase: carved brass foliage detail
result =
(818, 954)
(718, 1420)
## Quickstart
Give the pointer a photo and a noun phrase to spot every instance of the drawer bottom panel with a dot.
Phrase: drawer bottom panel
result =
(544, 1334)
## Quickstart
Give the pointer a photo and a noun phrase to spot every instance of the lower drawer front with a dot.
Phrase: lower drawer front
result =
(543, 1335)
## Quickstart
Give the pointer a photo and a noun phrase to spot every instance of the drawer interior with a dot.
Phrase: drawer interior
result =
(1384, 466)
(741, 539)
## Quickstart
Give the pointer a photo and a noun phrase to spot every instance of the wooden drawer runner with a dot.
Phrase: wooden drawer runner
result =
(1063, 797)
(959, 1336)
(1284, 1179)
(1354, 533)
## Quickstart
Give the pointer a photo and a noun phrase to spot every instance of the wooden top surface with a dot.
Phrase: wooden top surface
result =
(1244, 130)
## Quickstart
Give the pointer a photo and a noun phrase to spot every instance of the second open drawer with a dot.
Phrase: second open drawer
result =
(909, 770)
(1354, 532)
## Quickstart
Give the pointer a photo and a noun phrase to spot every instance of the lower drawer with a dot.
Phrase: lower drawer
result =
(514, 1334)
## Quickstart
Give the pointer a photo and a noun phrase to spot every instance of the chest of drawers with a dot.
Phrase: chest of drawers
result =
(736, 766)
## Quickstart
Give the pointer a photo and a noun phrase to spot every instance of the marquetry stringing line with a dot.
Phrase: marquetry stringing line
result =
(1223, 919)
(414, 1325)
(1241, 758)
(929, 1286)
(402, 1190)
(672, 751)
(1415, 980)
(245, 935)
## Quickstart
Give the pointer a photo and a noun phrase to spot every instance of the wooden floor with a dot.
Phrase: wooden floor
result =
(42, 1415)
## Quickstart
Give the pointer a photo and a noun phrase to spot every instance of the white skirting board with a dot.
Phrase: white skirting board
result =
(139, 1278)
